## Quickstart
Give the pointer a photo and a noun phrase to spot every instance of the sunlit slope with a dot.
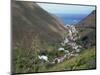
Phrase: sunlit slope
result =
(30, 21)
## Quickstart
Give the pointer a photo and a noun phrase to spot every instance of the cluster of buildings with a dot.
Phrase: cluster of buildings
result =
(69, 40)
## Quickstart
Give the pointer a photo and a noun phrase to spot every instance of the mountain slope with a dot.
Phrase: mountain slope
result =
(87, 30)
(89, 21)
(29, 20)
(33, 30)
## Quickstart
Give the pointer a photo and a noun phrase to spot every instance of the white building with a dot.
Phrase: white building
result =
(61, 49)
(43, 57)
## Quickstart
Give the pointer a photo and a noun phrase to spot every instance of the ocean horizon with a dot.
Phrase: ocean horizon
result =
(71, 18)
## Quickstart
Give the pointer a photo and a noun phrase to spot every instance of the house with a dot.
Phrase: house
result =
(61, 49)
(66, 41)
(43, 57)
(59, 59)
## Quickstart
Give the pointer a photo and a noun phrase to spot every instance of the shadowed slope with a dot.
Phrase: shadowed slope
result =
(87, 30)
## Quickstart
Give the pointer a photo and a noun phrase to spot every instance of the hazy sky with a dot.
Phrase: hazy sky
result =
(67, 9)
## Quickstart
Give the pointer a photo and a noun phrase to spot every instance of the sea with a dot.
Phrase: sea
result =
(71, 19)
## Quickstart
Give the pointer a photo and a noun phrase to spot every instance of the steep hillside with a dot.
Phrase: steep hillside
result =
(87, 29)
(89, 21)
(30, 21)
(33, 30)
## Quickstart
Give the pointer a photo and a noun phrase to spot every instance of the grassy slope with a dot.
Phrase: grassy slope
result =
(86, 60)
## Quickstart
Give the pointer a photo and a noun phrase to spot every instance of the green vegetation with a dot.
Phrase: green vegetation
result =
(25, 63)
(26, 60)
(85, 60)
(35, 31)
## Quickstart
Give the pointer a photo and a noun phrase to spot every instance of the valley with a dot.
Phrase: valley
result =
(42, 43)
